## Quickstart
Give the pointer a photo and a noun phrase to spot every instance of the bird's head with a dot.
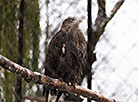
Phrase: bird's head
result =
(71, 22)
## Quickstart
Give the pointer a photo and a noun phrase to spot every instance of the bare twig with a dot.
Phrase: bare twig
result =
(114, 10)
(102, 20)
(38, 78)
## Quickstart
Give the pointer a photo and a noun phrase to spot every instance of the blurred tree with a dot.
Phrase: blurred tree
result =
(9, 25)
(8, 40)
(31, 34)
(20, 51)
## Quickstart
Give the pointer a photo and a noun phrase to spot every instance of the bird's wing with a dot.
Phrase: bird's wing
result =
(76, 43)
(53, 54)
(76, 48)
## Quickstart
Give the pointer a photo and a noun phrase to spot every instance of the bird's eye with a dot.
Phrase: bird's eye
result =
(72, 19)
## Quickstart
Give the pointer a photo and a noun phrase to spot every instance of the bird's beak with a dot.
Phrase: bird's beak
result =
(80, 20)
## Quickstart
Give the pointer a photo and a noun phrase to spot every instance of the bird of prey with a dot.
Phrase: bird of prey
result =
(66, 55)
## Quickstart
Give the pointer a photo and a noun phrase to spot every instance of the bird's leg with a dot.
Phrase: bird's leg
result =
(59, 95)
(47, 94)
(73, 84)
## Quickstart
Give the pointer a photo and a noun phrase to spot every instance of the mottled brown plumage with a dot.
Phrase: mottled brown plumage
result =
(66, 54)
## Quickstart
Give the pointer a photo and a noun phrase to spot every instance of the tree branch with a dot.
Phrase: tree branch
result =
(101, 16)
(113, 11)
(102, 20)
(38, 78)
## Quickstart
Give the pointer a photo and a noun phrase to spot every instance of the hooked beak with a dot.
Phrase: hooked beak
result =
(80, 20)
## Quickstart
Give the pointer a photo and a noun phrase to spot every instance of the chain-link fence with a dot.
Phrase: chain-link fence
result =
(115, 69)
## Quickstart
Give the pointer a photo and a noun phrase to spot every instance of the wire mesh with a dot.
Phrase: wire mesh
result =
(116, 67)
(115, 70)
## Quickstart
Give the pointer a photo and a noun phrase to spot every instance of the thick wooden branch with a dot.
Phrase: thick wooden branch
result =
(38, 78)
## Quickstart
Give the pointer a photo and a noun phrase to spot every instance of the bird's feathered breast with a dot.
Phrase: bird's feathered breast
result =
(66, 55)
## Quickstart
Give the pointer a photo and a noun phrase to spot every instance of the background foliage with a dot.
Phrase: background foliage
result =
(9, 31)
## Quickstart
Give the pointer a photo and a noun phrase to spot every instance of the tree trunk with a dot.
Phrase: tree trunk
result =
(90, 46)
(20, 52)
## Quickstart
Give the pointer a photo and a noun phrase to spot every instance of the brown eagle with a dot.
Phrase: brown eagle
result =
(66, 54)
